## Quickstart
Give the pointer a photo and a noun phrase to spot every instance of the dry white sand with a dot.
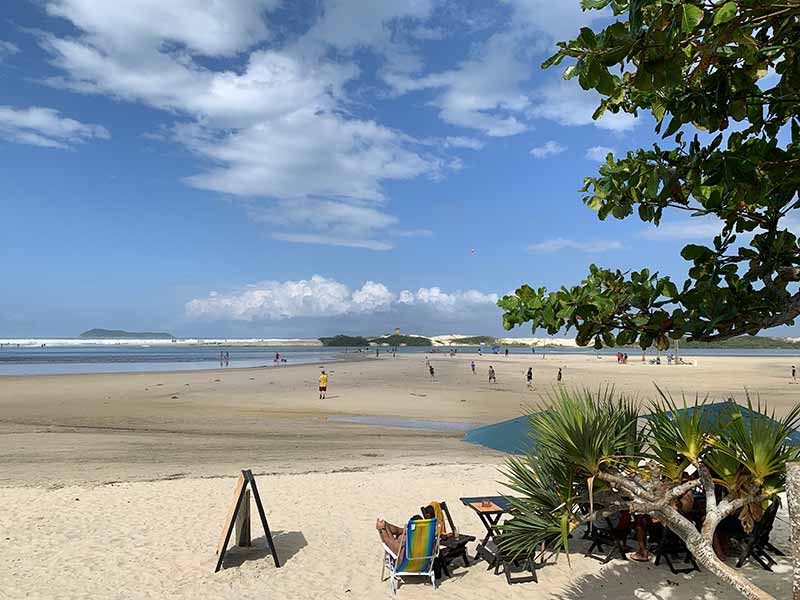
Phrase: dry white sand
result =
(157, 540)
(117, 486)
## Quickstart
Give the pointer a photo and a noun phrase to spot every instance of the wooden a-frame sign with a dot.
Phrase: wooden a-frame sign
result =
(239, 497)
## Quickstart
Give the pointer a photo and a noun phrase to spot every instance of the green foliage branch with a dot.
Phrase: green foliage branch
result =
(730, 69)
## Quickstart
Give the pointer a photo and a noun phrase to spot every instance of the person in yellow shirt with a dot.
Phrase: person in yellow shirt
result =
(323, 385)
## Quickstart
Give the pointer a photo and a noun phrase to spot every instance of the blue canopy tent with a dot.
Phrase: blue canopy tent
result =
(509, 436)
(512, 436)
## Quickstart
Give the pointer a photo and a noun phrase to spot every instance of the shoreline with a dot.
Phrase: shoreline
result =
(176, 371)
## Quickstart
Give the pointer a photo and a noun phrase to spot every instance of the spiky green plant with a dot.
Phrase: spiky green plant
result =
(577, 433)
(678, 439)
(584, 437)
(758, 442)
(543, 499)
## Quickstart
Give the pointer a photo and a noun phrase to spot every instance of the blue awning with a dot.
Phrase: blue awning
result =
(513, 436)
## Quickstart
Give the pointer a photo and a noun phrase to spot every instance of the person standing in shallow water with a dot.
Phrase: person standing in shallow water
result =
(323, 385)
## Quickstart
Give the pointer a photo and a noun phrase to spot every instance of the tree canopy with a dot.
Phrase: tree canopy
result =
(722, 81)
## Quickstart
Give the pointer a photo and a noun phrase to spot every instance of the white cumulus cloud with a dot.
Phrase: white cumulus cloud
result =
(549, 148)
(599, 153)
(45, 127)
(320, 297)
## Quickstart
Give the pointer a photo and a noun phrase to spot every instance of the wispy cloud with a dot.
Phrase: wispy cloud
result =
(463, 142)
(45, 127)
(567, 104)
(7, 49)
(279, 126)
(558, 244)
(599, 153)
(549, 148)
(686, 229)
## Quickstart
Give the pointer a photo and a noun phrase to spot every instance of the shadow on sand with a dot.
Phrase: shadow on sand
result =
(287, 544)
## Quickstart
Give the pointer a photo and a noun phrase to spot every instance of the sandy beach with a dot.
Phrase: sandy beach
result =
(116, 486)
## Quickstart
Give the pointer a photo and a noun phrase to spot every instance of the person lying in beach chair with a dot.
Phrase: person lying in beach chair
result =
(411, 551)
(453, 545)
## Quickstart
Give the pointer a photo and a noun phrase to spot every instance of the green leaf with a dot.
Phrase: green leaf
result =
(670, 290)
(691, 16)
(725, 13)
(595, 203)
(587, 38)
(658, 109)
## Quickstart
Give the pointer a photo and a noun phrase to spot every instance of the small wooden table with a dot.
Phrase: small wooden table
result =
(489, 510)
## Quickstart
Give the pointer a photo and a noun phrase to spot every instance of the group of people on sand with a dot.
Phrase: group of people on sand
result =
(492, 373)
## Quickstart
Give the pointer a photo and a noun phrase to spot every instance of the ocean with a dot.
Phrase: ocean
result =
(54, 357)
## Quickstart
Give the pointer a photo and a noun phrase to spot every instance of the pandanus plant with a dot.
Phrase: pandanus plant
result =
(588, 445)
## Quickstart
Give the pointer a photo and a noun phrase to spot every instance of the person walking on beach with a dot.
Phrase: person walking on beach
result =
(430, 369)
(492, 376)
(323, 385)
(472, 366)
(794, 374)
(506, 352)
(558, 377)
(529, 377)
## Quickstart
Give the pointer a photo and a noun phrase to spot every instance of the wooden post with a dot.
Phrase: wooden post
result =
(793, 496)
(243, 523)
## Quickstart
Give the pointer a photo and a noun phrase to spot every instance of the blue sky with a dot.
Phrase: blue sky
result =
(268, 168)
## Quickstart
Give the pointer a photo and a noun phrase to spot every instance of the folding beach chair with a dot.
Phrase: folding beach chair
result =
(453, 545)
(420, 549)
(756, 544)
(613, 536)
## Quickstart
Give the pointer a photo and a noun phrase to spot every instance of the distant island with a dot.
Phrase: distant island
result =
(388, 340)
(118, 334)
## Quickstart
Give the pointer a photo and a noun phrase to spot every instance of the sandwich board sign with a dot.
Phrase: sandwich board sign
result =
(239, 518)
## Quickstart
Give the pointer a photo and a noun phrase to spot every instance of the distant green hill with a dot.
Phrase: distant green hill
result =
(344, 340)
(745, 342)
(402, 340)
(475, 340)
(105, 334)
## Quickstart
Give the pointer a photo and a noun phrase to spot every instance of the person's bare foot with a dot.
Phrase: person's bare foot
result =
(639, 557)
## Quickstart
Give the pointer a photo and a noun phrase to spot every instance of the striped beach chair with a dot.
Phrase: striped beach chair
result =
(420, 549)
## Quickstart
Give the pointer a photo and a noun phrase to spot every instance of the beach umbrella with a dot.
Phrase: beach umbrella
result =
(513, 436)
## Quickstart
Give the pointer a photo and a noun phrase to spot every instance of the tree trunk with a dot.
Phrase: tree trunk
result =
(704, 554)
(793, 495)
